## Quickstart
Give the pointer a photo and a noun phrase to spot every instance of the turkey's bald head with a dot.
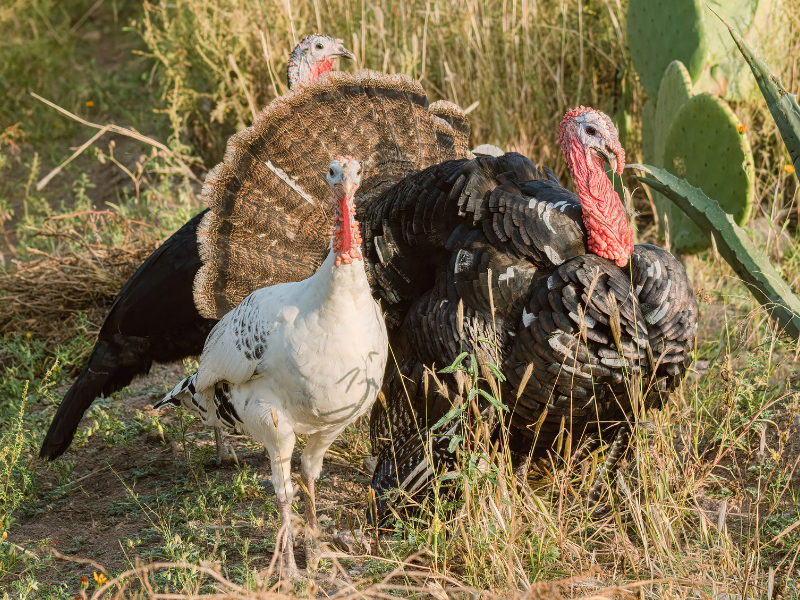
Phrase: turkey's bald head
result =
(589, 139)
(314, 56)
(344, 177)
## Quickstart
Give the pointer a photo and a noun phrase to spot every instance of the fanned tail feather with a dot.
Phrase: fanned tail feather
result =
(270, 203)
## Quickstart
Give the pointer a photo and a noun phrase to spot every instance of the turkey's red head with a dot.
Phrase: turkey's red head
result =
(344, 177)
(315, 55)
(589, 139)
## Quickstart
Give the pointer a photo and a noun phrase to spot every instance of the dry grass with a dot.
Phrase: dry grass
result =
(708, 504)
(524, 62)
(42, 293)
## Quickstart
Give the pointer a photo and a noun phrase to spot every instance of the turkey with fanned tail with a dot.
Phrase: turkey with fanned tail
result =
(268, 215)
(493, 257)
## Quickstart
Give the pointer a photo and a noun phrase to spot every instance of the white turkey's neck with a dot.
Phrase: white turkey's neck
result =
(341, 288)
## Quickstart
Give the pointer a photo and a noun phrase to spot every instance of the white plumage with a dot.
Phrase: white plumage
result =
(297, 358)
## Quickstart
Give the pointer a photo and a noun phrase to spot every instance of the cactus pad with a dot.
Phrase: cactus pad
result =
(750, 264)
(660, 31)
(674, 92)
(704, 147)
(649, 132)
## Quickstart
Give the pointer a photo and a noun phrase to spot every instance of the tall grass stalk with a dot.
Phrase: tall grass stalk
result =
(523, 61)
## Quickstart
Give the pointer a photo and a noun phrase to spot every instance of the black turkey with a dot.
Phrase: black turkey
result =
(491, 257)
(153, 318)
(268, 220)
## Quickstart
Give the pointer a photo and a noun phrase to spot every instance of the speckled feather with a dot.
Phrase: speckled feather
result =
(270, 209)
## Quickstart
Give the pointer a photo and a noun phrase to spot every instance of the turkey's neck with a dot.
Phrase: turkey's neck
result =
(342, 280)
(603, 214)
(301, 71)
(321, 67)
(346, 240)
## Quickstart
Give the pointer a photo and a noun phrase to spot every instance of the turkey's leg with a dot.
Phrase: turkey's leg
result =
(312, 531)
(521, 464)
(608, 469)
(222, 450)
(286, 545)
(279, 440)
(311, 467)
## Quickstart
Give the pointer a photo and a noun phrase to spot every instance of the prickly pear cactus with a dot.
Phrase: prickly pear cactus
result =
(763, 25)
(660, 31)
(674, 91)
(750, 264)
(649, 132)
(705, 148)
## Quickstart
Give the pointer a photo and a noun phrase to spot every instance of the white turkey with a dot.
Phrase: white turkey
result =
(301, 358)
(153, 318)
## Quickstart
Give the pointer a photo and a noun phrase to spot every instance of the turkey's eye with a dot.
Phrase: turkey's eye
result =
(320, 46)
(591, 130)
(359, 173)
(330, 172)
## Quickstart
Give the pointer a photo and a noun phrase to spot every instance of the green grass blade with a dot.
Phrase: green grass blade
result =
(750, 264)
(782, 104)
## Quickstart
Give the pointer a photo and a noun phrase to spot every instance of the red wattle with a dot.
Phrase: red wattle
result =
(322, 67)
(603, 214)
(346, 237)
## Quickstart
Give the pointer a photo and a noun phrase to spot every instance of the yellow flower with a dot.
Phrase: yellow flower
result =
(89, 103)
(5, 534)
(741, 128)
(99, 578)
(788, 168)
(28, 335)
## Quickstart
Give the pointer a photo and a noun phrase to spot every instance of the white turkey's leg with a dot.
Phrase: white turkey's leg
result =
(311, 467)
(280, 444)
(222, 449)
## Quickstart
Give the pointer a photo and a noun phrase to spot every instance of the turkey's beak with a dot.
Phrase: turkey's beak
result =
(608, 156)
(346, 190)
(343, 52)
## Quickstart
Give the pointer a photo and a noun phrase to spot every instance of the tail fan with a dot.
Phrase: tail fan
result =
(270, 206)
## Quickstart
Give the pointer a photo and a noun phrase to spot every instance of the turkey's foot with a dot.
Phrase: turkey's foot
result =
(313, 549)
(312, 542)
(285, 543)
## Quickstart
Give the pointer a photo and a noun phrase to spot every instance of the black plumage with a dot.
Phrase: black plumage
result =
(502, 245)
(268, 221)
(152, 319)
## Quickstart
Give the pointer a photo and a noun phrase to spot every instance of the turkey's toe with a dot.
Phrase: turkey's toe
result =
(313, 549)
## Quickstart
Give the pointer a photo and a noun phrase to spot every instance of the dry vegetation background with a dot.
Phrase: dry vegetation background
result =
(709, 505)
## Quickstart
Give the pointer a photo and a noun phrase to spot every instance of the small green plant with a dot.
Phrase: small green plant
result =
(15, 476)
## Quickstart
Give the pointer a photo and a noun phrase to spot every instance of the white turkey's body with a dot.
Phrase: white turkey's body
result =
(314, 350)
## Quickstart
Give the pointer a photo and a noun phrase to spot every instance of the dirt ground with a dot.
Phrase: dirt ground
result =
(96, 515)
